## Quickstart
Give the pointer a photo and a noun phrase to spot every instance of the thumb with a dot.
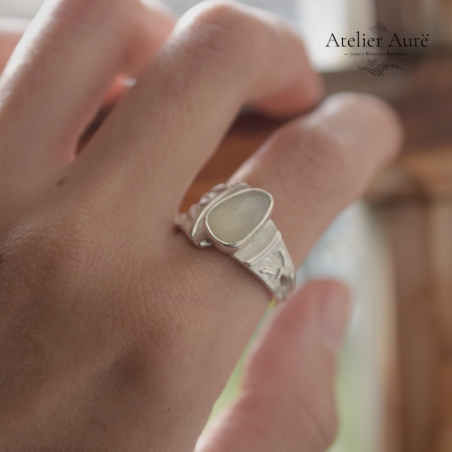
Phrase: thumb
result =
(287, 401)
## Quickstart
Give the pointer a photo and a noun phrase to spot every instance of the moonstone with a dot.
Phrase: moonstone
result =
(235, 218)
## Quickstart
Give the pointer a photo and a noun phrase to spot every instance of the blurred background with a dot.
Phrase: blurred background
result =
(318, 19)
(356, 247)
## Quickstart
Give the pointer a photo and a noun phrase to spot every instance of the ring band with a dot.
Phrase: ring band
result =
(236, 220)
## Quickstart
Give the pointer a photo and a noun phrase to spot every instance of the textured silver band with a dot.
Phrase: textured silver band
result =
(263, 252)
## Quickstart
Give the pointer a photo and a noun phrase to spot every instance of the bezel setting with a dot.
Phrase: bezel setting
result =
(232, 247)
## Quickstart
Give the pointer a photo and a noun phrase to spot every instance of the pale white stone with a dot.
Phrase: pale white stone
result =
(235, 218)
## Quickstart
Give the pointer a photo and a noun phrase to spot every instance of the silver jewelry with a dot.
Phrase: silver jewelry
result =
(236, 220)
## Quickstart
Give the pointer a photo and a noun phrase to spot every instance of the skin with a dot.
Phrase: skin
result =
(116, 333)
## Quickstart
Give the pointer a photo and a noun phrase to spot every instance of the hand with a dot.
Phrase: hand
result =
(116, 333)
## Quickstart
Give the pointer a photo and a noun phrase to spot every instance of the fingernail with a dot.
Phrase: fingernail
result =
(334, 312)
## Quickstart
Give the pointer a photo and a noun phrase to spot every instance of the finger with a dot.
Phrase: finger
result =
(220, 55)
(316, 165)
(11, 31)
(61, 71)
(287, 400)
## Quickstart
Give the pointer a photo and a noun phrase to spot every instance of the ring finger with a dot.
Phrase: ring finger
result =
(315, 165)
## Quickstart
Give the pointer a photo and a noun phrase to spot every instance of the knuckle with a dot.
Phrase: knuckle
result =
(160, 313)
(318, 418)
(324, 426)
(146, 304)
(256, 422)
(175, 309)
(313, 425)
(42, 254)
(87, 12)
(225, 32)
(324, 430)
(321, 152)
(358, 105)
(328, 151)
(157, 306)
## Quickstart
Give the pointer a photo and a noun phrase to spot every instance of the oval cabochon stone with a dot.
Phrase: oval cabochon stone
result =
(236, 217)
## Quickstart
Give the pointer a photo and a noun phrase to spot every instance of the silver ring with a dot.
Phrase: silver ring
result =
(235, 219)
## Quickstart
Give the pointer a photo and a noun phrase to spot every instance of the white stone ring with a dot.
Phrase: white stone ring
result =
(236, 220)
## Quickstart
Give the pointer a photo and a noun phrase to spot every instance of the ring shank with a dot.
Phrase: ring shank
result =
(268, 258)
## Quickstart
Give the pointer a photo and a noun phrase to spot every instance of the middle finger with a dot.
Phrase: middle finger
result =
(221, 54)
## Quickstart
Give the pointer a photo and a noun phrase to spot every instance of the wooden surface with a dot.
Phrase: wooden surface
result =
(415, 200)
(414, 197)
(420, 233)
(406, 223)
